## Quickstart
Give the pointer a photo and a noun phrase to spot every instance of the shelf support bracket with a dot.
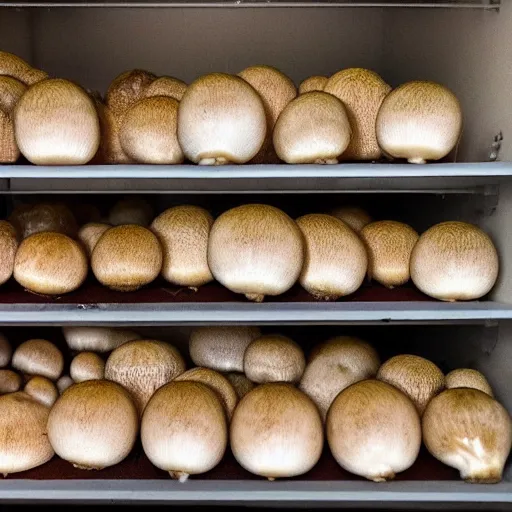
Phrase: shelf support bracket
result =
(496, 147)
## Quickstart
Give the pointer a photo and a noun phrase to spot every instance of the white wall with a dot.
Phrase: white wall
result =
(92, 46)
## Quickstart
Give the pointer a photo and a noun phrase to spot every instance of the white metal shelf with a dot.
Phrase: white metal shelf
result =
(256, 492)
(272, 313)
(471, 178)
(488, 5)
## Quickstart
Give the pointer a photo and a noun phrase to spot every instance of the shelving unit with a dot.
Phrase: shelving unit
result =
(464, 44)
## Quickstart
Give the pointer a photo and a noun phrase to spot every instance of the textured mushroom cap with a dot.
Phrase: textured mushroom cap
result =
(93, 424)
(23, 441)
(419, 121)
(56, 123)
(389, 245)
(87, 366)
(221, 348)
(126, 89)
(110, 150)
(50, 263)
(126, 258)
(11, 91)
(64, 383)
(470, 431)
(42, 389)
(221, 119)
(335, 365)
(274, 358)
(14, 66)
(184, 429)
(373, 430)
(276, 431)
(419, 378)
(354, 216)
(183, 232)
(9, 381)
(240, 382)
(362, 92)
(166, 86)
(313, 83)
(336, 261)
(313, 128)
(276, 90)
(38, 357)
(468, 378)
(454, 261)
(142, 366)
(5, 351)
(90, 233)
(148, 132)
(97, 339)
(9, 152)
(257, 250)
(216, 381)
(8, 248)
(274, 87)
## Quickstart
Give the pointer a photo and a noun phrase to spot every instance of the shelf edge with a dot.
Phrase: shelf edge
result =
(227, 491)
(276, 313)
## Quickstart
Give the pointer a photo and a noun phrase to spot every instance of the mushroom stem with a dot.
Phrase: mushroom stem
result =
(326, 161)
(255, 297)
(484, 476)
(385, 476)
(318, 295)
(477, 472)
(220, 160)
(87, 468)
(179, 475)
(417, 160)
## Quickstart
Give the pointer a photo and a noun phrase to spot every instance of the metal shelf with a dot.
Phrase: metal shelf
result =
(254, 492)
(488, 5)
(136, 480)
(280, 313)
(162, 304)
(470, 178)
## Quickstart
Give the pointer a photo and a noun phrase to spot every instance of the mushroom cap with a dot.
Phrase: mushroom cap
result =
(39, 357)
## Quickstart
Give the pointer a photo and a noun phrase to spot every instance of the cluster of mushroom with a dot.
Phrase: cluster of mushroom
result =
(255, 249)
(256, 116)
(252, 390)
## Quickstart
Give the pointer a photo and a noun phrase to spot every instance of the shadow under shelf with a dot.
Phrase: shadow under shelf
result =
(138, 467)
